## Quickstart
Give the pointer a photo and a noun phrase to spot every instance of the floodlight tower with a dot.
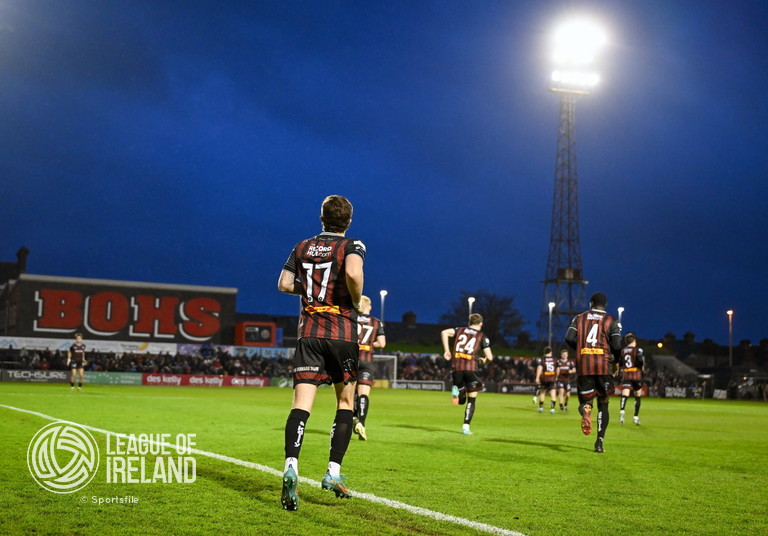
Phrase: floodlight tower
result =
(576, 43)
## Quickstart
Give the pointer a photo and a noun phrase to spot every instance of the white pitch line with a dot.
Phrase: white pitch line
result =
(263, 468)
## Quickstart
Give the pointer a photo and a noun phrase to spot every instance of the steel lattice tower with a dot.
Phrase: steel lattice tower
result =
(564, 282)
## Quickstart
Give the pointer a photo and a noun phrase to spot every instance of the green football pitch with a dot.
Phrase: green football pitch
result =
(694, 467)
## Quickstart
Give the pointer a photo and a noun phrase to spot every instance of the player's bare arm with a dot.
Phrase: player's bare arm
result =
(287, 283)
(380, 342)
(444, 336)
(354, 273)
(487, 357)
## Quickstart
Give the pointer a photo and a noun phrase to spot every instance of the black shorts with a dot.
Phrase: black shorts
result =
(547, 385)
(564, 385)
(591, 386)
(365, 374)
(634, 385)
(325, 361)
(76, 365)
(467, 380)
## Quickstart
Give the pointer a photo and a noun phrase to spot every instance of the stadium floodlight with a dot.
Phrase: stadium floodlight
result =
(729, 312)
(551, 306)
(383, 294)
(620, 310)
(470, 302)
(576, 44)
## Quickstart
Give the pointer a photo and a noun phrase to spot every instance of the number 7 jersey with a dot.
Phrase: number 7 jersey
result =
(327, 311)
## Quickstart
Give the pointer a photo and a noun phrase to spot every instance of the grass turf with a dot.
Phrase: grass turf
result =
(693, 467)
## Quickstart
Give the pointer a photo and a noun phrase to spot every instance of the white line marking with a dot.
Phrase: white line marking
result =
(263, 468)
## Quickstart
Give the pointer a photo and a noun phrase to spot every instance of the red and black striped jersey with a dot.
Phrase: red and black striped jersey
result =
(592, 332)
(78, 352)
(467, 341)
(564, 369)
(631, 363)
(548, 365)
(368, 329)
(327, 311)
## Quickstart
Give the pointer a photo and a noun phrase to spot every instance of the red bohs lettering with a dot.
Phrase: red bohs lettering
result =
(58, 310)
(154, 316)
(201, 318)
(110, 313)
(106, 313)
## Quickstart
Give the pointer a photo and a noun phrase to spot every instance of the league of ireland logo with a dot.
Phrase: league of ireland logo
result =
(63, 457)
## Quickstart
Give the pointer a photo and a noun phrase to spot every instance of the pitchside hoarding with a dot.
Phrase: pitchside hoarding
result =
(49, 306)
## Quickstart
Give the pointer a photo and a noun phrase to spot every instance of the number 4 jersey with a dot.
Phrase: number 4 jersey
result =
(466, 343)
(327, 311)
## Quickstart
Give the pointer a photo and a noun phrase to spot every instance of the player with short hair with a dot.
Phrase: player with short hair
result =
(370, 336)
(631, 365)
(546, 377)
(327, 272)
(566, 368)
(466, 384)
(596, 337)
(76, 361)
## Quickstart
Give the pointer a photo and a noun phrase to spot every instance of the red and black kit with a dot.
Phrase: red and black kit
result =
(368, 329)
(631, 364)
(78, 355)
(327, 311)
(548, 375)
(466, 343)
(592, 332)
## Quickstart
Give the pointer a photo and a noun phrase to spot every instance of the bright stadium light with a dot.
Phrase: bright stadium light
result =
(576, 44)
(470, 301)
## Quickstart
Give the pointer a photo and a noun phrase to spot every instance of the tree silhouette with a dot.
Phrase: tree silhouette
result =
(500, 318)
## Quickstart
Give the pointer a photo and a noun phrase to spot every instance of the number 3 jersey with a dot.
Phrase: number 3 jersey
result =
(319, 264)
(466, 343)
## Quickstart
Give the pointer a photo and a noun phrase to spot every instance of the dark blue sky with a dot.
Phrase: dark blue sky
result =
(192, 142)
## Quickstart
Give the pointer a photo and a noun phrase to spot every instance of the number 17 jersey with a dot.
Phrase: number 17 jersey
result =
(319, 264)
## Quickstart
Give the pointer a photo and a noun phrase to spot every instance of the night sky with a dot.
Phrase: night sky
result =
(193, 142)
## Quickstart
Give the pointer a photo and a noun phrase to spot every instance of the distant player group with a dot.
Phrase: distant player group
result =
(337, 338)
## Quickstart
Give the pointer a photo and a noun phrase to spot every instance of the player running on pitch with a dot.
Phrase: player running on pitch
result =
(596, 337)
(466, 384)
(566, 368)
(327, 272)
(370, 337)
(631, 365)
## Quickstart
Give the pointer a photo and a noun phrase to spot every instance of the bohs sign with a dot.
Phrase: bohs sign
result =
(43, 306)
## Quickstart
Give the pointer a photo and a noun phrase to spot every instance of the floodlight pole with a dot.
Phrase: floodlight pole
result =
(551, 306)
(470, 302)
(382, 293)
(729, 312)
(564, 282)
